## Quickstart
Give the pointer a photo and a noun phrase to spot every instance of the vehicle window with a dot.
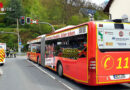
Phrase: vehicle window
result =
(35, 48)
(71, 47)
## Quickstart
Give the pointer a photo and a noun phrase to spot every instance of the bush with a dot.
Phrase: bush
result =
(2, 25)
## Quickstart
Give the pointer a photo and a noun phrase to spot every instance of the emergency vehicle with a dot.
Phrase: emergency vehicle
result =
(2, 53)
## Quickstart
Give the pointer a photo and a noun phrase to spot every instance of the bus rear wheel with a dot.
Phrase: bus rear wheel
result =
(60, 70)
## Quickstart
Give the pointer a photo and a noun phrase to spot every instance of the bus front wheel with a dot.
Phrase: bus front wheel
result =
(60, 70)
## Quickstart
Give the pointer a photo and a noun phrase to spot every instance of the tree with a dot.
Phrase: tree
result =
(74, 20)
(17, 11)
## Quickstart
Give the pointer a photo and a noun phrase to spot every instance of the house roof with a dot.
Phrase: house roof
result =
(108, 6)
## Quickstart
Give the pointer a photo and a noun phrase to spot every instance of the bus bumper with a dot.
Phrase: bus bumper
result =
(109, 80)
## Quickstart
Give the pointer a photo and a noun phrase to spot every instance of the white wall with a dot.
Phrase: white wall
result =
(119, 8)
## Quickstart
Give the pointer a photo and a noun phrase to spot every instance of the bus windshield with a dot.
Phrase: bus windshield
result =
(113, 37)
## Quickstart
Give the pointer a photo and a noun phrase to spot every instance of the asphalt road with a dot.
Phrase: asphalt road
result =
(21, 74)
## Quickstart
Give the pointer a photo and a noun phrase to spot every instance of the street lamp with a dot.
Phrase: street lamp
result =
(48, 24)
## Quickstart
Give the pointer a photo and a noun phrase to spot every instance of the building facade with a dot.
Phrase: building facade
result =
(118, 8)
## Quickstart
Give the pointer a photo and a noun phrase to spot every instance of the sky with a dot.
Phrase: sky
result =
(98, 2)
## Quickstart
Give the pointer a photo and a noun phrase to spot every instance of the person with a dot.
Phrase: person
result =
(11, 53)
(14, 53)
(7, 52)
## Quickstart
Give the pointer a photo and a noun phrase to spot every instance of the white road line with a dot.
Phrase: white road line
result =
(50, 75)
(65, 85)
(42, 70)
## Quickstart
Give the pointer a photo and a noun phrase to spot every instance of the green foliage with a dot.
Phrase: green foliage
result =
(77, 19)
(2, 25)
(74, 20)
(8, 39)
(17, 11)
(99, 15)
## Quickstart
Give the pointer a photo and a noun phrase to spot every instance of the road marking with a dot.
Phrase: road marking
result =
(65, 85)
(50, 75)
(42, 70)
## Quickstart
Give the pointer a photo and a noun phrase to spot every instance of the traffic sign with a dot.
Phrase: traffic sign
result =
(34, 21)
(20, 43)
(1, 5)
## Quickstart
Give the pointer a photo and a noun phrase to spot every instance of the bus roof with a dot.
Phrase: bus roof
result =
(35, 40)
(65, 29)
(38, 39)
(69, 26)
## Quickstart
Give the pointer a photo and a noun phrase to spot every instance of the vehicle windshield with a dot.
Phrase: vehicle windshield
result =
(113, 37)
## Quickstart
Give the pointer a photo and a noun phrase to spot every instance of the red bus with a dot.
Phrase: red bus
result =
(93, 53)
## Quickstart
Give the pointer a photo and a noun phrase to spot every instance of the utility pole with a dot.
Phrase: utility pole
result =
(19, 48)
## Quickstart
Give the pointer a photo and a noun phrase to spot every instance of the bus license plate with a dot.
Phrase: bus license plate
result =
(119, 76)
